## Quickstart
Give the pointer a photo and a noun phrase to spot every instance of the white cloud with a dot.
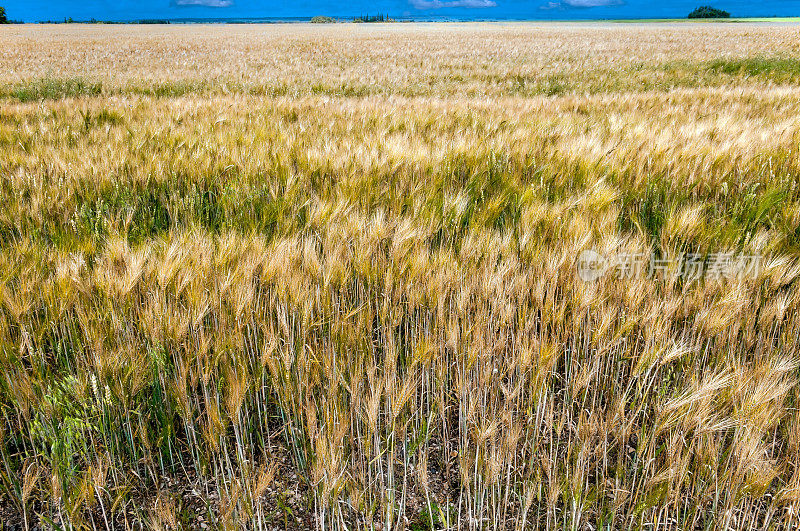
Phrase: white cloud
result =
(439, 4)
(560, 4)
(203, 3)
(591, 3)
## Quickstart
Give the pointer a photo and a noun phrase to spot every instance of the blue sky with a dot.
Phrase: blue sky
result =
(35, 10)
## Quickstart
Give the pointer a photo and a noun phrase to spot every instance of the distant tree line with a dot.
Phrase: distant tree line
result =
(321, 19)
(70, 20)
(372, 18)
(709, 12)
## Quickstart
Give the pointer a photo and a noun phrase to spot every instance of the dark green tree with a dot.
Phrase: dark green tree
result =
(709, 12)
(3, 17)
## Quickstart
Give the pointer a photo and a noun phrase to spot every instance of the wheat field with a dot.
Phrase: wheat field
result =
(328, 276)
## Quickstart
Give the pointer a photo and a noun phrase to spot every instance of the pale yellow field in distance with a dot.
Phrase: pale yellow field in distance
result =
(324, 276)
(413, 59)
